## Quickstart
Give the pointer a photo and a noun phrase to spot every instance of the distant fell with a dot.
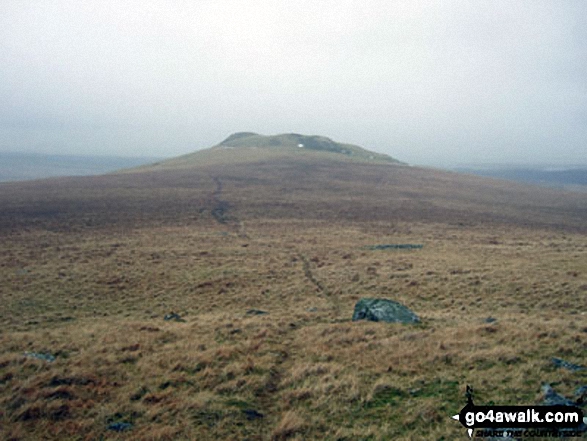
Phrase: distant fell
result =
(308, 142)
(249, 147)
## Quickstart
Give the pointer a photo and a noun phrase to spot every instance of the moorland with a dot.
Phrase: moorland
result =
(260, 250)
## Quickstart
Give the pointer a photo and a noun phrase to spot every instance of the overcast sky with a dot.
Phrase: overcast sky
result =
(428, 82)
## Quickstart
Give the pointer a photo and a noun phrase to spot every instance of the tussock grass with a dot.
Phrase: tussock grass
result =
(308, 369)
(91, 287)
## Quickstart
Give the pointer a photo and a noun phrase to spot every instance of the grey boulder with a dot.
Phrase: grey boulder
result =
(383, 310)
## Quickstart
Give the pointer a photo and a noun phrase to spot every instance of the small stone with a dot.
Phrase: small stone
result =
(551, 398)
(40, 356)
(396, 246)
(119, 426)
(581, 395)
(256, 312)
(173, 316)
(252, 414)
(565, 364)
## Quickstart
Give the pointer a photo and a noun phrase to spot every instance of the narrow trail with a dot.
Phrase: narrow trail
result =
(220, 207)
(267, 396)
(309, 275)
(320, 288)
(220, 210)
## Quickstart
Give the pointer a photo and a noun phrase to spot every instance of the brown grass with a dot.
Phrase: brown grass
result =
(89, 267)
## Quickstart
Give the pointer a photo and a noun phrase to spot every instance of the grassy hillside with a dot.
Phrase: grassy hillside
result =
(294, 140)
(263, 259)
(252, 147)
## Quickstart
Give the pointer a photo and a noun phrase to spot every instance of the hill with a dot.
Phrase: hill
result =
(259, 177)
(294, 140)
(249, 147)
(261, 251)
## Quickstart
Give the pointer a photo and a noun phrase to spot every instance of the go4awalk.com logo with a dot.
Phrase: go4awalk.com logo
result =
(521, 421)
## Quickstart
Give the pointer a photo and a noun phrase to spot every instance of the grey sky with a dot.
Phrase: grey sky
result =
(425, 81)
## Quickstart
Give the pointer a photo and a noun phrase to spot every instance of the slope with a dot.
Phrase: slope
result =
(284, 183)
(250, 147)
(263, 255)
